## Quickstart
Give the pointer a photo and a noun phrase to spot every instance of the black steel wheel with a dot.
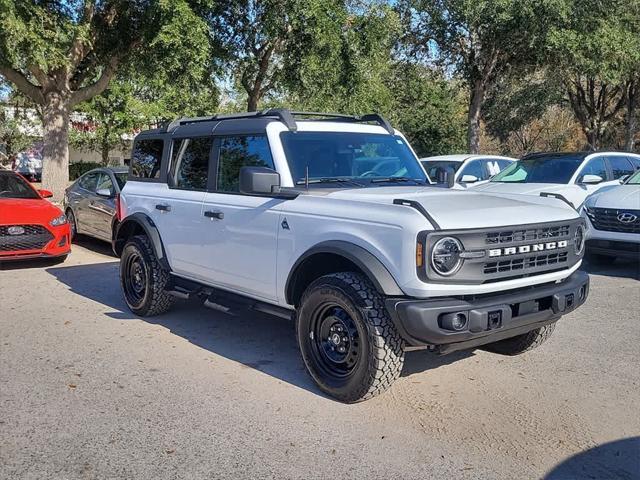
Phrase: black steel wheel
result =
(142, 278)
(348, 342)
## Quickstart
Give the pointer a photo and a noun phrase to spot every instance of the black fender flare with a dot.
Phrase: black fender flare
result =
(373, 268)
(134, 222)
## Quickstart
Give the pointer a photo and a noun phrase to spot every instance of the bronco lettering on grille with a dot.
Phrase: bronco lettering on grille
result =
(536, 247)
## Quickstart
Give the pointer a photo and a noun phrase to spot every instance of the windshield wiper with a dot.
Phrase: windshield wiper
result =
(302, 181)
(397, 180)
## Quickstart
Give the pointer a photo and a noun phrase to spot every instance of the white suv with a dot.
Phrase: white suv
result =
(332, 221)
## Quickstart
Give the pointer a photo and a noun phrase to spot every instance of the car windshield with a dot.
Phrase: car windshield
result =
(13, 186)
(351, 159)
(634, 179)
(434, 167)
(121, 178)
(540, 169)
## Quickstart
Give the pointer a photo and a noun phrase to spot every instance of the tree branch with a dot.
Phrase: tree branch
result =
(22, 83)
(78, 47)
(85, 93)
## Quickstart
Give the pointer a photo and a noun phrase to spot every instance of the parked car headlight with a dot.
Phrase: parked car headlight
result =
(579, 240)
(61, 220)
(445, 256)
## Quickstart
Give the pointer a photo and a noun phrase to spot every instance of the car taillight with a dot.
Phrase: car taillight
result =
(118, 208)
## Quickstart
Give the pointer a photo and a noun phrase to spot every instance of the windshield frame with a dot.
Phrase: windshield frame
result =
(400, 152)
(21, 180)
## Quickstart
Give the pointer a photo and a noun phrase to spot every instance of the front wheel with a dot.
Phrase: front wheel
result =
(348, 343)
(73, 224)
(522, 343)
(142, 278)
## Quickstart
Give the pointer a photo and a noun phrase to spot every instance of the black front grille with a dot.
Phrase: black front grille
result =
(549, 259)
(529, 234)
(608, 219)
(33, 237)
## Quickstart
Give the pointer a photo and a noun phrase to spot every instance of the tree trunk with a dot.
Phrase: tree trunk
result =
(252, 101)
(55, 153)
(631, 124)
(475, 106)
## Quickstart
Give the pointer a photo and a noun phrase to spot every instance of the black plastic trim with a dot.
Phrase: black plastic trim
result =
(559, 197)
(417, 206)
(149, 227)
(377, 273)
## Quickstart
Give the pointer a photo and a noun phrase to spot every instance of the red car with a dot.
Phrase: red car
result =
(30, 226)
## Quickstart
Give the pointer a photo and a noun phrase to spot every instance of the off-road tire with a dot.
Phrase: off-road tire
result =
(381, 347)
(155, 300)
(522, 343)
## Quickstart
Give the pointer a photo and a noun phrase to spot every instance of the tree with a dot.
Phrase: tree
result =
(60, 54)
(481, 40)
(596, 48)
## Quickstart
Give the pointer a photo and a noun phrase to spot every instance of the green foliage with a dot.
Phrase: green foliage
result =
(76, 170)
(429, 109)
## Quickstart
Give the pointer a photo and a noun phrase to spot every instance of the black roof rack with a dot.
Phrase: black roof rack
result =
(285, 116)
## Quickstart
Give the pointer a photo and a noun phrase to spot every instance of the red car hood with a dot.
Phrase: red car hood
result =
(27, 211)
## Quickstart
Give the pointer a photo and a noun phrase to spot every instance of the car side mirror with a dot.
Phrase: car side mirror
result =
(262, 181)
(591, 179)
(623, 179)
(45, 193)
(469, 179)
(104, 192)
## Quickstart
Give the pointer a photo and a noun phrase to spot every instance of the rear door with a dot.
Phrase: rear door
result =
(179, 215)
(241, 230)
(102, 208)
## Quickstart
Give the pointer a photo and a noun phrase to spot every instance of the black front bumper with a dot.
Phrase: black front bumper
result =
(614, 248)
(489, 318)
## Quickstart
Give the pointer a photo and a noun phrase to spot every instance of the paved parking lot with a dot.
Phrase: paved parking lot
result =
(87, 390)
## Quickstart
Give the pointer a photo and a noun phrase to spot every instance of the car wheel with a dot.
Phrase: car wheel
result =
(347, 340)
(73, 226)
(142, 278)
(521, 343)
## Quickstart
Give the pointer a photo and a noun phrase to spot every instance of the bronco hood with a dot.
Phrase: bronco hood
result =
(456, 209)
(573, 193)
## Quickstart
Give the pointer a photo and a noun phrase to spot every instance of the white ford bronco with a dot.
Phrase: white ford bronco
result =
(331, 221)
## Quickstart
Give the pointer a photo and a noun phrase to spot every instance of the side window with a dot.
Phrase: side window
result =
(105, 183)
(190, 163)
(620, 166)
(493, 166)
(595, 166)
(146, 158)
(89, 181)
(238, 152)
(474, 168)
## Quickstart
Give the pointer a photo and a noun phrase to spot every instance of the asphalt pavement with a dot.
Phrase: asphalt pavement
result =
(90, 391)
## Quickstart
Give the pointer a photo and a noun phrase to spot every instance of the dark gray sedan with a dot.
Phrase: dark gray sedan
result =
(90, 202)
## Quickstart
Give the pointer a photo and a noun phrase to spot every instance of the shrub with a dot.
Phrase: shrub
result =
(78, 169)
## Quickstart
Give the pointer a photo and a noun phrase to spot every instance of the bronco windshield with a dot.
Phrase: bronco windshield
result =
(351, 159)
(540, 169)
(13, 186)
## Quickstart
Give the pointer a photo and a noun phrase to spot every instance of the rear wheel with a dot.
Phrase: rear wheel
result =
(142, 278)
(347, 340)
(522, 343)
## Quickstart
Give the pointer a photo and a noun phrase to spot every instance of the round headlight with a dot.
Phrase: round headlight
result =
(579, 240)
(445, 256)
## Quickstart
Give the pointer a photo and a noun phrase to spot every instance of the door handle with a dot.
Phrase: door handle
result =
(163, 208)
(212, 215)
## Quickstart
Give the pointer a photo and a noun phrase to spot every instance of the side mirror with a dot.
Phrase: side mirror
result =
(623, 179)
(469, 179)
(591, 179)
(45, 193)
(104, 192)
(259, 181)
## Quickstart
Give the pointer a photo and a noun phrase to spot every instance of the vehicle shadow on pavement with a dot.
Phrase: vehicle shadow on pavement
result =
(95, 245)
(613, 268)
(619, 460)
(253, 339)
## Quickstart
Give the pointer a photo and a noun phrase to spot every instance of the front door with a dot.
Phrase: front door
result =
(241, 229)
(102, 208)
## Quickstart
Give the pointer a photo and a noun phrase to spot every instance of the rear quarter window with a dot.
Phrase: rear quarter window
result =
(146, 158)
